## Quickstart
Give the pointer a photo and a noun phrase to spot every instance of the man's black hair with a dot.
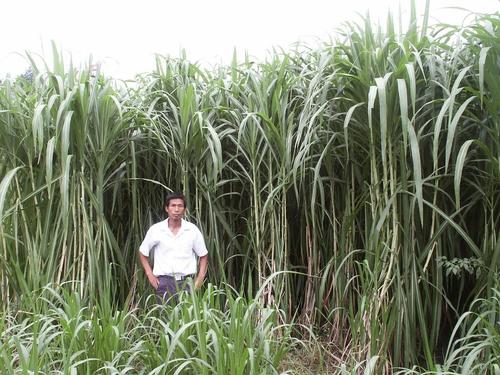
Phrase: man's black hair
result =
(176, 195)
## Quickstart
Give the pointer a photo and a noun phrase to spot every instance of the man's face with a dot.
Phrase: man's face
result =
(175, 209)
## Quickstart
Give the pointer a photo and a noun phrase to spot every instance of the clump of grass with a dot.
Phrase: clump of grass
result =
(204, 333)
(474, 346)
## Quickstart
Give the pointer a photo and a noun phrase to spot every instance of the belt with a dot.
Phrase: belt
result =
(177, 277)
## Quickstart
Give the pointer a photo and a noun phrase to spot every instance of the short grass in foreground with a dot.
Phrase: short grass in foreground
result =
(205, 333)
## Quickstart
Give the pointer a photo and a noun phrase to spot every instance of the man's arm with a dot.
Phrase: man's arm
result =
(202, 272)
(153, 280)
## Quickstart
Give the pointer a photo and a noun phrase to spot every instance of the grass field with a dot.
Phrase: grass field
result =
(348, 193)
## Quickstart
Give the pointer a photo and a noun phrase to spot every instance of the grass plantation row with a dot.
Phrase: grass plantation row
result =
(349, 194)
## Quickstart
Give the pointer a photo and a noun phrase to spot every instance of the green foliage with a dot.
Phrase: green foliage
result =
(363, 176)
(456, 266)
(199, 335)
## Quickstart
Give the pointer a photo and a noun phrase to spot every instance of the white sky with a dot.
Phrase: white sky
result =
(124, 35)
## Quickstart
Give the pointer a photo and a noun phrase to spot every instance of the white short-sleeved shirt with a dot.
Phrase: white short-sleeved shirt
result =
(174, 254)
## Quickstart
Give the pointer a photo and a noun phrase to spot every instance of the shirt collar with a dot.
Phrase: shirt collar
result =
(181, 229)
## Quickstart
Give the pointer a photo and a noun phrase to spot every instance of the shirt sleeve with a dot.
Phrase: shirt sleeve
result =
(148, 243)
(199, 244)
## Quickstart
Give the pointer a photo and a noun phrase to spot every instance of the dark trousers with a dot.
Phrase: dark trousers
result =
(169, 287)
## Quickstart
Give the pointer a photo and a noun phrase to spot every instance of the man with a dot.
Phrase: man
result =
(177, 242)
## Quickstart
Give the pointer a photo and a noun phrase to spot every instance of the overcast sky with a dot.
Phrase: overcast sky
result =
(124, 35)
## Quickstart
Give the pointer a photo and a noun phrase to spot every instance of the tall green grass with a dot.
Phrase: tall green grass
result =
(362, 175)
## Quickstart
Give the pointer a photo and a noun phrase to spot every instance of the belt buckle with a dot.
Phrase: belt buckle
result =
(178, 277)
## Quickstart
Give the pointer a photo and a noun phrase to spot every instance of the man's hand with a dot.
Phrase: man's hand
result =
(198, 283)
(201, 274)
(153, 280)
